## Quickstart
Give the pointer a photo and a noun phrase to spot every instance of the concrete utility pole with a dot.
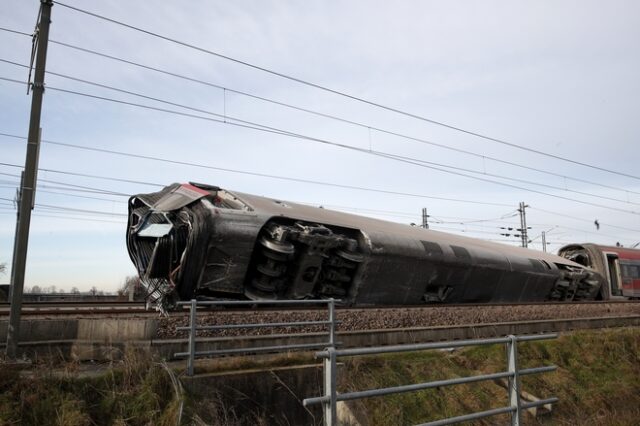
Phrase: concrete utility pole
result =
(27, 190)
(425, 217)
(15, 235)
(544, 241)
(523, 224)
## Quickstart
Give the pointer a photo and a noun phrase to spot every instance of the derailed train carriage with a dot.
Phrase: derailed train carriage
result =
(619, 265)
(194, 240)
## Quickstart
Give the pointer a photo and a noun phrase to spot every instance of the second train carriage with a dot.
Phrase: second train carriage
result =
(619, 265)
(191, 240)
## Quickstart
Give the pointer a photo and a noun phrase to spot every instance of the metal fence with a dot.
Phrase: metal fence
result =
(513, 373)
(193, 328)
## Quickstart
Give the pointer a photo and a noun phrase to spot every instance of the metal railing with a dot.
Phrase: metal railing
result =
(515, 407)
(193, 328)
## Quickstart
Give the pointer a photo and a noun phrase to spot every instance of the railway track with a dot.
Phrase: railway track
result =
(91, 330)
(117, 308)
(60, 308)
(396, 318)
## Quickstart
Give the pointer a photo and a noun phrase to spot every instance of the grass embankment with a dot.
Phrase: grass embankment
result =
(598, 381)
(139, 392)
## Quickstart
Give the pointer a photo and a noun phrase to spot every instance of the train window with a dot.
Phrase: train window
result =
(625, 270)
(461, 252)
(432, 249)
(537, 264)
(630, 271)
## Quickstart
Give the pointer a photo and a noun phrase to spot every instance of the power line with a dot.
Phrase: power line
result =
(225, 117)
(73, 187)
(583, 220)
(87, 197)
(262, 175)
(71, 209)
(262, 127)
(593, 233)
(9, 30)
(80, 218)
(329, 116)
(89, 175)
(405, 214)
(510, 178)
(470, 222)
(475, 231)
(420, 163)
(37, 214)
(346, 95)
(407, 160)
(357, 209)
(15, 185)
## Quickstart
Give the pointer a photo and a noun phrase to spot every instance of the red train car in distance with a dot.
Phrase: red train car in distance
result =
(619, 265)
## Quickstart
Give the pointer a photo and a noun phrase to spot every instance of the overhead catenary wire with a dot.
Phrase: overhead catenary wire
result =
(75, 210)
(68, 186)
(69, 209)
(369, 127)
(397, 214)
(64, 172)
(582, 219)
(87, 219)
(16, 185)
(71, 217)
(344, 94)
(259, 127)
(263, 175)
(484, 230)
(225, 117)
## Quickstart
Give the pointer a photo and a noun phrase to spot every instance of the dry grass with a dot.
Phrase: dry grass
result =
(137, 392)
(597, 381)
(233, 364)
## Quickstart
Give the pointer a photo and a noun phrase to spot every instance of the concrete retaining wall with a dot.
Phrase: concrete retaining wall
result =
(82, 338)
(108, 339)
(245, 396)
(358, 339)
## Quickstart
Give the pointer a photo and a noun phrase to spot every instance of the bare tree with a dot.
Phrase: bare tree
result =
(3, 268)
(132, 282)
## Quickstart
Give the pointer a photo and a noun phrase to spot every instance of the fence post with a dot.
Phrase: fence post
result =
(514, 380)
(330, 412)
(332, 326)
(192, 336)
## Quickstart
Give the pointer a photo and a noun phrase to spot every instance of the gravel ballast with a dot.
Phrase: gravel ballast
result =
(391, 318)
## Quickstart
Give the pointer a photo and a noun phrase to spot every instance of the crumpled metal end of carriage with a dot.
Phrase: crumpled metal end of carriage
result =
(201, 241)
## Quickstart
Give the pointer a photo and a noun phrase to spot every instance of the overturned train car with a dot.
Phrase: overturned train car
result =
(194, 240)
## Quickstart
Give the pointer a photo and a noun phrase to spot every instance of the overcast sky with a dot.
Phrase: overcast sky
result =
(560, 77)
